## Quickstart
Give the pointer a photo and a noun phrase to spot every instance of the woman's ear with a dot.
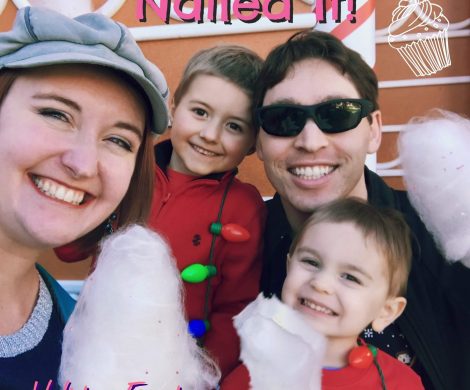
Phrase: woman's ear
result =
(392, 309)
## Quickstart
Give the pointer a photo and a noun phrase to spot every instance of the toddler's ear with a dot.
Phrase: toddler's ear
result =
(288, 259)
(391, 310)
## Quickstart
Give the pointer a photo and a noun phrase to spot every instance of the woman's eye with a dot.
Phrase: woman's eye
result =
(200, 112)
(121, 143)
(351, 278)
(54, 114)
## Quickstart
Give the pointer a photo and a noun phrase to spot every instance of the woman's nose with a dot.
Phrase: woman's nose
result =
(81, 159)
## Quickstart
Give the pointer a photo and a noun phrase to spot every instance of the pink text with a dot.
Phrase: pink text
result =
(248, 11)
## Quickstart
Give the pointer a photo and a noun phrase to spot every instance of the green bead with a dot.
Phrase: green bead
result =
(216, 228)
(197, 273)
(373, 349)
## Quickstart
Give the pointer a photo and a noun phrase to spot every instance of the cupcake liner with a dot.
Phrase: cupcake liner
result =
(427, 55)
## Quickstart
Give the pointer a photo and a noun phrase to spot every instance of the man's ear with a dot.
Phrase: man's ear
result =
(375, 136)
(391, 310)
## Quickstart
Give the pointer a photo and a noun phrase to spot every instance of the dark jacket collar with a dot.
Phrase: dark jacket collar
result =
(378, 192)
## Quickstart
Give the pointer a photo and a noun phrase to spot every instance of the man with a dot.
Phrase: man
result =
(316, 102)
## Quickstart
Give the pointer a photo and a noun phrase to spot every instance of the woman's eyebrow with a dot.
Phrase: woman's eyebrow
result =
(130, 127)
(61, 99)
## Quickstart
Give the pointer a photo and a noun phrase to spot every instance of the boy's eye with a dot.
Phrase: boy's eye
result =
(200, 112)
(235, 127)
(126, 145)
(351, 278)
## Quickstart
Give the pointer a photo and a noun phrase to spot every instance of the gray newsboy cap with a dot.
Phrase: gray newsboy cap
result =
(41, 36)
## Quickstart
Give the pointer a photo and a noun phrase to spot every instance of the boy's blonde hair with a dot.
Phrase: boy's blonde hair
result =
(236, 64)
(386, 227)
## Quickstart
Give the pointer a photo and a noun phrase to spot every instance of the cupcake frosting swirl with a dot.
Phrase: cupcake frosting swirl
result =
(417, 16)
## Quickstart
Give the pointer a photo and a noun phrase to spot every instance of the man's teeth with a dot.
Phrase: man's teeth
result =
(57, 191)
(312, 173)
(204, 151)
(313, 306)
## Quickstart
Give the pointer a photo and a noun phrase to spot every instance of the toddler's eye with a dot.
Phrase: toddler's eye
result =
(311, 262)
(351, 278)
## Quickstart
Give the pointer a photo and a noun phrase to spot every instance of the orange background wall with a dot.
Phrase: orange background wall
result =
(398, 104)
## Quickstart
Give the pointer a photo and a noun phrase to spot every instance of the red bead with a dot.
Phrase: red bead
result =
(360, 357)
(235, 233)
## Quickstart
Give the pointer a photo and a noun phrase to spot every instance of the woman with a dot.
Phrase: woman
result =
(78, 101)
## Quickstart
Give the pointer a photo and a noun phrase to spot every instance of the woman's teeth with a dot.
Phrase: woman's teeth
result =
(58, 191)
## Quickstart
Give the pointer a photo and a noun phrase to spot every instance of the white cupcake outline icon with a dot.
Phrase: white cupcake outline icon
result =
(423, 43)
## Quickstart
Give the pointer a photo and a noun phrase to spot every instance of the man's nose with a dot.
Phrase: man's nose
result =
(311, 138)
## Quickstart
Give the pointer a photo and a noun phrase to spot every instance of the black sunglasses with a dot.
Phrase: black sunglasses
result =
(332, 116)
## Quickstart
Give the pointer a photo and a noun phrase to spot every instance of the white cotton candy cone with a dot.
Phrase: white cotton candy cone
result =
(128, 325)
(279, 348)
(435, 155)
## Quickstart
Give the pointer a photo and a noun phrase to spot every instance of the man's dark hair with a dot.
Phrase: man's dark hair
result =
(312, 44)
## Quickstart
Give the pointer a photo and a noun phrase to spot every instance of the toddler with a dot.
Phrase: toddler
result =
(346, 269)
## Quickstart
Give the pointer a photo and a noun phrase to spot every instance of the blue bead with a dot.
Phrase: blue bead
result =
(197, 328)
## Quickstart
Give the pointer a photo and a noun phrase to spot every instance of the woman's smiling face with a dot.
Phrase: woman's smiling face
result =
(69, 138)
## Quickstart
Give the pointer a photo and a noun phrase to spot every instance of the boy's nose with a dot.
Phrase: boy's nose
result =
(311, 138)
(210, 132)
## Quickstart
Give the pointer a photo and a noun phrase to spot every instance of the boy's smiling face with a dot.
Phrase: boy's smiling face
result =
(212, 130)
(339, 280)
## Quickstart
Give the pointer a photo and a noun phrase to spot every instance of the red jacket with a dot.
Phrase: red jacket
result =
(398, 376)
(184, 217)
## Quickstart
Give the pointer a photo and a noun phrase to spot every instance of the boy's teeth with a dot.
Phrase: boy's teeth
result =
(203, 151)
(313, 306)
(58, 191)
(312, 173)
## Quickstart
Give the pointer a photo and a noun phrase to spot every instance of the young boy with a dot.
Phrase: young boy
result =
(196, 187)
(348, 268)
